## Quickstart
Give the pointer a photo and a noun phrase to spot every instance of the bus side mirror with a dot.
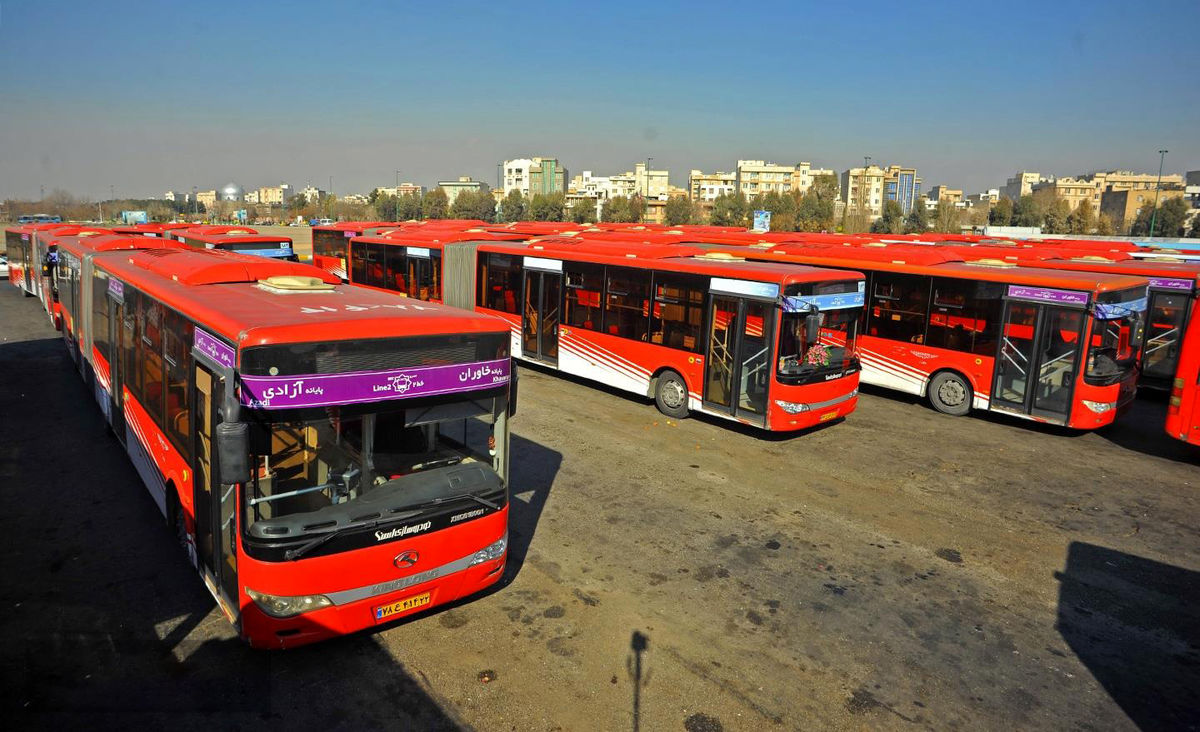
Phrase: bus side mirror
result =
(233, 452)
(812, 327)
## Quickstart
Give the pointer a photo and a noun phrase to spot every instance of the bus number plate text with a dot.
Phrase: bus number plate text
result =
(383, 612)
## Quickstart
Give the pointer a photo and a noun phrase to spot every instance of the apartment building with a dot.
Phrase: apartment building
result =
(757, 176)
(206, 198)
(1123, 206)
(534, 175)
(454, 188)
(602, 187)
(863, 190)
(951, 196)
(1022, 184)
(274, 195)
(404, 189)
(1072, 190)
(901, 185)
(707, 186)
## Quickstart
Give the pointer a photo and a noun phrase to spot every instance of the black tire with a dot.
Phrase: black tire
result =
(175, 520)
(950, 394)
(671, 395)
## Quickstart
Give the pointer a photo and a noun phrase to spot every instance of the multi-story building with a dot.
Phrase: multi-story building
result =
(206, 198)
(534, 175)
(986, 199)
(355, 198)
(863, 190)
(404, 189)
(274, 195)
(174, 197)
(1124, 180)
(251, 197)
(757, 176)
(1072, 190)
(464, 183)
(651, 183)
(706, 187)
(951, 196)
(901, 185)
(1123, 206)
(1022, 184)
(805, 175)
(312, 194)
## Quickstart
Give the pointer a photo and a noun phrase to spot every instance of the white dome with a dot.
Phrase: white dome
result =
(232, 192)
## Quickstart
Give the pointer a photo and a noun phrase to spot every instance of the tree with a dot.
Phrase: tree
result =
(1002, 213)
(1055, 219)
(1195, 232)
(512, 208)
(474, 205)
(917, 221)
(729, 209)
(435, 204)
(385, 206)
(547, 207)
(637, 208)
(616, 211)
(679, 210)
(1083, 219)
(583, 210)
(815, 209)
(1169, 222)
(946, 218)
(408, 207)
(1025, 212)
(1104, 225)
(892, 220)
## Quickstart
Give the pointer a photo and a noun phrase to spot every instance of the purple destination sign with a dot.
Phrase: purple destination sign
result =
(1046, 294)
(321, 390)
(1165, 283)
(117, 288)
(208, 344)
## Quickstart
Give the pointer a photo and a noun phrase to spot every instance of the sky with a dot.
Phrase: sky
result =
(140, 97)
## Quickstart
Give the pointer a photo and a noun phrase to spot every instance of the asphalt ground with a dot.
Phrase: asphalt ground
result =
(899, 569)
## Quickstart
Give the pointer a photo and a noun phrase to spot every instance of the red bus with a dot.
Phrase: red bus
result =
(75, 258)
(1183, 406)
(152, 229)
(767, 345)
(329, 243)
(33, 252)
(1055, 347)
(331, 457)
(240, 239)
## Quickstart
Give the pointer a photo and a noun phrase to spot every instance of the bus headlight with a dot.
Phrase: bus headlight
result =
(1098, 407)
(278, 606)
(491, 551)
(791, 407)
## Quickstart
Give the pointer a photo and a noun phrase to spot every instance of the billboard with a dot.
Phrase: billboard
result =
(134, 217)
(762, 221)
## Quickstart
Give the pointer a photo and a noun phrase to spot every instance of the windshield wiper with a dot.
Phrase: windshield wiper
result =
(473, 497)
(308, 546)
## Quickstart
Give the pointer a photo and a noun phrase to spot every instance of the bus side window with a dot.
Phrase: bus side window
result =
(395, 270)
(131, 341)
(100, 313)
(435, 275)
(499, 283)
(358, 263)
(177, 358)
(900, 307)
(584, 284)
(152, 362)
(676, 311)
(965, 315)
(627, 303)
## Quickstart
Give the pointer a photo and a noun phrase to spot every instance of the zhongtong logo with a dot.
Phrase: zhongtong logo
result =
(406, 559)
(402, 531)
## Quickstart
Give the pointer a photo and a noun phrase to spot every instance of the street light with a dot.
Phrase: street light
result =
(1162, 154)
(397, 197)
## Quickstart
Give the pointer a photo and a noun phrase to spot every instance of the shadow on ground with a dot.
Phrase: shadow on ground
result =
(1135, 624)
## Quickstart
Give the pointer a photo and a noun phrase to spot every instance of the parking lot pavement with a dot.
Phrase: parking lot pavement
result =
(899, 568)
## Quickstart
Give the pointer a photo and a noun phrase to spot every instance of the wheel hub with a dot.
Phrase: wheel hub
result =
(672, 394)
(952, 393)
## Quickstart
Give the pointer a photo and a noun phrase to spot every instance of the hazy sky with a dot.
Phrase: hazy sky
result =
(146, 96)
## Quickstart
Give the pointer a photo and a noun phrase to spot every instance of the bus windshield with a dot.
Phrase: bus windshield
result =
(830, 348)
(1117, 334)
(319, 464)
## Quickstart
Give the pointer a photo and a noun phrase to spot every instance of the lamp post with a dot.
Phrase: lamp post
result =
(397, 207)
(1162, 154)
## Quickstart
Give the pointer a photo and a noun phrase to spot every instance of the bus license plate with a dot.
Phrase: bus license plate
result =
(828, 416)
(383, 612)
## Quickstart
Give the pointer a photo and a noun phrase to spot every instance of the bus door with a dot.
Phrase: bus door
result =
(1038, 359)
(1165, 321)
(540, 314)
(30, 264)
(214, 505)
(737, 364)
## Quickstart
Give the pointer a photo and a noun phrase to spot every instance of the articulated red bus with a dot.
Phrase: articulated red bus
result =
(767, 345)
(240, 239)
(332, 458)
(1183, 406)
(1052, 346)
(151, 229)
(35, 256)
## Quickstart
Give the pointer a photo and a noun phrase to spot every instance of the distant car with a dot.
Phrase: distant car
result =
(3, 266)
(324, 222)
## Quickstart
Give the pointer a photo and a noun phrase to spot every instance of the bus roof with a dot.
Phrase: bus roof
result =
(917, 260)
(355, 226)
(673, 258)
(211, 230)
(223, 292)
(83, 245)
(150, 227)
(239, 236)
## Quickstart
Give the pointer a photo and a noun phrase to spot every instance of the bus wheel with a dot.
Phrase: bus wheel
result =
(671, 395)
(950, 393)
